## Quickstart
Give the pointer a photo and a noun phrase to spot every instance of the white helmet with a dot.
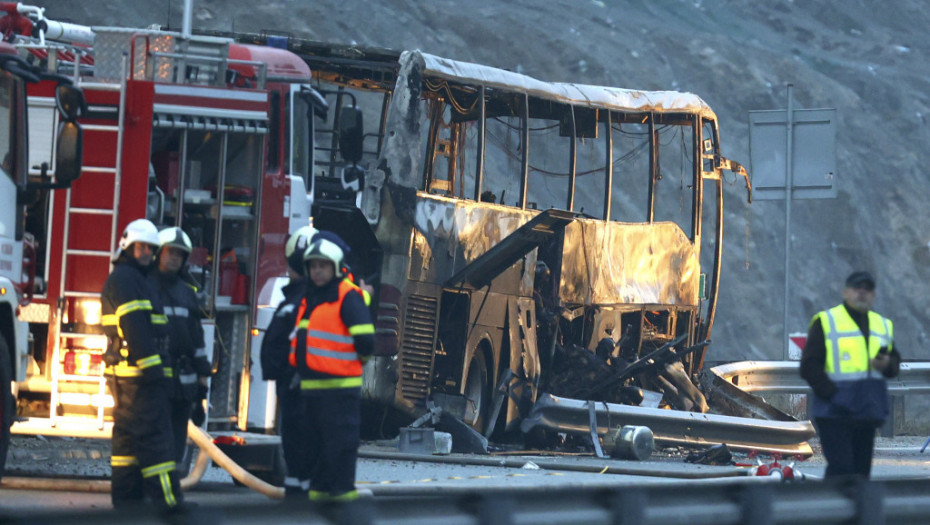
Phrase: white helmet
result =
(296, 245)
(139, 230)
(325, 250)
(174, 237)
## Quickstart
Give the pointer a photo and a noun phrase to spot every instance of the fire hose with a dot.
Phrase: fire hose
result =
(208, 448)
(209, 451)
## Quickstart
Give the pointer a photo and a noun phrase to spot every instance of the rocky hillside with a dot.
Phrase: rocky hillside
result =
(866, 59)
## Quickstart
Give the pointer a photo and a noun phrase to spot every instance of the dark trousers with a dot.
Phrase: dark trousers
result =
(142, 457)
(331, 439)
(847, 445)
(290, 404)
(180, 415)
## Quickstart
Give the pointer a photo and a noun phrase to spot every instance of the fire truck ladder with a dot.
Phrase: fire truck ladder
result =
(112, 173)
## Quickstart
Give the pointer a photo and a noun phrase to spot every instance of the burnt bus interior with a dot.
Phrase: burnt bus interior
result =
(507, 150)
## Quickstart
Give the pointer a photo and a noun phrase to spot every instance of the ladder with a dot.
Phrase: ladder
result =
(95, 256)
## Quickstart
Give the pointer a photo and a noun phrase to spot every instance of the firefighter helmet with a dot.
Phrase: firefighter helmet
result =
(296, 245)
(326, 250)
(174, 237)
(139, 230)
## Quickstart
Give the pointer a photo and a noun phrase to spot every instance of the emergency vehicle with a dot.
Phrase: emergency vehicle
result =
(18, 187)
(191, 131)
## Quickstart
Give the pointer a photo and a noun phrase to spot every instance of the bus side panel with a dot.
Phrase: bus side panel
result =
(618, 263)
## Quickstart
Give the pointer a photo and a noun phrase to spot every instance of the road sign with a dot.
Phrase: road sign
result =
(796, 342)
(813, 153)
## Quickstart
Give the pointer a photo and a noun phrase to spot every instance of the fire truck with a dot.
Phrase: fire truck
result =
(191, 131)
(19, 186)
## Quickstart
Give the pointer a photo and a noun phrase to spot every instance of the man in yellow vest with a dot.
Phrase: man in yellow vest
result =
(849, 353)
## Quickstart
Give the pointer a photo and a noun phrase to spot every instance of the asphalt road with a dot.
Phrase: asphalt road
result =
(69, 458)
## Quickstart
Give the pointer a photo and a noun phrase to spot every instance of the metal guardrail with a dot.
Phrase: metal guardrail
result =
(873, 503)
(782, 377)
(674, 427)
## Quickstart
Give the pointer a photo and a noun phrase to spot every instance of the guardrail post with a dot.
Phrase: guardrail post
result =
(496, 510)
(870, 503)
(359, 512)
(756, 505)
(628, 506)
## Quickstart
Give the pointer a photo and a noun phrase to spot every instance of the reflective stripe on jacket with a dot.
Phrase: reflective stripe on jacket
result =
(328, 341)
(848, 353)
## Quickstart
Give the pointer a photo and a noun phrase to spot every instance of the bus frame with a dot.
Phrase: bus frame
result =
(465, 316)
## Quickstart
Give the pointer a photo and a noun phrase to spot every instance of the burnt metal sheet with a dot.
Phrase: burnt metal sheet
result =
(623, 263)
(674, 427)
(511, 248)
(783, 377)
(449, 235)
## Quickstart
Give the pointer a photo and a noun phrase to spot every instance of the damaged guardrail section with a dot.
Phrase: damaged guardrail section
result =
(673, 427)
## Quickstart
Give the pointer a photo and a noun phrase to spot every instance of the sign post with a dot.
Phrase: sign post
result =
(792, 156)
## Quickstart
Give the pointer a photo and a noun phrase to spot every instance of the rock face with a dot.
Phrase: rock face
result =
(865, 59)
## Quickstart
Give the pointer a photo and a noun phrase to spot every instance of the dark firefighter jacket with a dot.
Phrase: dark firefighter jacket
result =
(276, 344)
(185, 333)
(134, 322)
(864, 395)
(334, 336)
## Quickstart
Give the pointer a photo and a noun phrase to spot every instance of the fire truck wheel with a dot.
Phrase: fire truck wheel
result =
(7, 403)
(476, 391)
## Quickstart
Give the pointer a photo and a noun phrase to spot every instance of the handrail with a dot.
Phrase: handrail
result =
(224, 61)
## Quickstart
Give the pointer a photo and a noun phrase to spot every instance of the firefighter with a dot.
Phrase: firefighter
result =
(275, 366)
(274, 358)
(142, 458)
(333, 338)
(190, 368)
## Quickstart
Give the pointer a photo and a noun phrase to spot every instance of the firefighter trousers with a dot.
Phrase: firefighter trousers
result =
(142, 457)
(330, 429)
(180, 414)
(290, 403)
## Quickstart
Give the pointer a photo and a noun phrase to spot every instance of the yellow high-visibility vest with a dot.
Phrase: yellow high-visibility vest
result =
(848, 353)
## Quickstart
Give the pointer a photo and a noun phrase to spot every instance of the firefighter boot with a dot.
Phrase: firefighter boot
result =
(162, 485)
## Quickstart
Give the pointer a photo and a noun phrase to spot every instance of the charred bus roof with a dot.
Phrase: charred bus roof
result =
(376, 68)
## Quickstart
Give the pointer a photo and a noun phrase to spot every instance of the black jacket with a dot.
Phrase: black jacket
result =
(276, 345)
(129, 304)
(185, 333)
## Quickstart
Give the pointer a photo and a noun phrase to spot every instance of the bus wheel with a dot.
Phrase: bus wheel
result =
(476, 392)
(7, 406)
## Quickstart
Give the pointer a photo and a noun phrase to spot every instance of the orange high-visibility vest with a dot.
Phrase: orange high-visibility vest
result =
(330, 347)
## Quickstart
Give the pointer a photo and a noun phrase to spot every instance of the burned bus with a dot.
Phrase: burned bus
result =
(514, 228)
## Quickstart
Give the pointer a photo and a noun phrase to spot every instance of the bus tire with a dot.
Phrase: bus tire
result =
(7, 403)
(477, 392)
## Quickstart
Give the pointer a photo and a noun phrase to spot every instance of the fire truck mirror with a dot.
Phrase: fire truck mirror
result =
(70, 100)
(68, 154)
(350, 134)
